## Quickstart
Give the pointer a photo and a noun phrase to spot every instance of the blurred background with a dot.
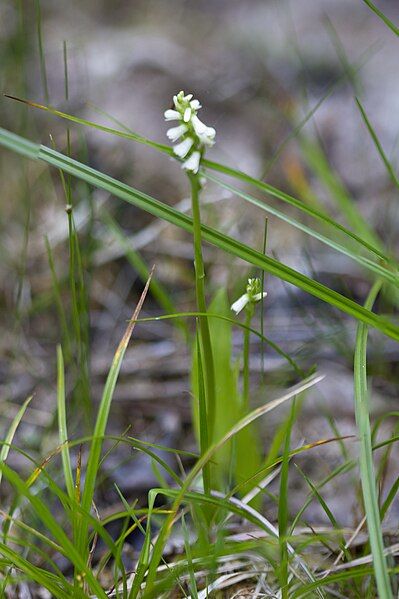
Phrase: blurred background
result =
(277, 79)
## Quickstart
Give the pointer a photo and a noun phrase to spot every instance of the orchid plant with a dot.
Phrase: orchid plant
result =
(193, 137)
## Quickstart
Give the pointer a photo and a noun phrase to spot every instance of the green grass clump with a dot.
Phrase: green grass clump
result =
(228, 503)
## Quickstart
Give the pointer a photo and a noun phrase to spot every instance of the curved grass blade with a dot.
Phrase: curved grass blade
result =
(367, 474)
(45, 515)
(235, 322)
(377, 143)
(79, 121)
(42, 577)
(102, 418)
(288, 199)
(244, 511)
(318, 162)
(283, 572)
(366, 263)
(382, 16)
(265, 187)
(62, 425)
(305, 591)
(224, 242)
(133, 256)
(5, 449)
(251, 417)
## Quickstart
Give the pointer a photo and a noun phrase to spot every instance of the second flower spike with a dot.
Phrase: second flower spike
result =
(253, 295)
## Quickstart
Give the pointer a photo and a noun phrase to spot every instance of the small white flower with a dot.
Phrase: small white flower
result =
(195, 105)
(172, 115)
(209, 137)
(175, 132)
(240, 303)
(259, 296)
(206, 134)
(192, 163)
(252, 296)
(199, 127)
(183, 148)
(187, 115)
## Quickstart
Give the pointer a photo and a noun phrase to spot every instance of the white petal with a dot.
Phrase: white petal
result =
(199, 126)
(192, 164)
(175, 132)
(187, 115)
(188, 97)
(195, 105)
(259, 296)
(172, 115)
(208, 138)
(240, 303)
(206, 134)
(183, 148)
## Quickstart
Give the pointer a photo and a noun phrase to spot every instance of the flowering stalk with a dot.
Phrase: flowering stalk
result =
(201, 305)
(246, 370)
(193, 136)
(247, 301)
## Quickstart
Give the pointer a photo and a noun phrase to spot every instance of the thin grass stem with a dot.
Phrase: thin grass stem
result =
(246, 370)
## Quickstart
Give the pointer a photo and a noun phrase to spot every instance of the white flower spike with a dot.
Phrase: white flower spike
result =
(253, 295)
(195, 136)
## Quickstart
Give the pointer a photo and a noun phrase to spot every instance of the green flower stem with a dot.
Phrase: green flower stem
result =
(209, 369)
(245, 387)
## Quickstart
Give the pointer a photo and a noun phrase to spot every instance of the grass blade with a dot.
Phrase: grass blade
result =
(11, 432)
(319, 163)
(290, 200)
(133, 256)
(45, 515)
(382, 16)
(224, 242)
(367, 474)
(236, 323)
(62, 425)
(377, 144)
(247, 420)
(42, 577)
(283, 508)
(102, 418)
(366, 263)
(239, 175)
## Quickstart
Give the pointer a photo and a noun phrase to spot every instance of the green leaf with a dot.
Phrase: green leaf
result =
(45, 515)
(382, 16)
(102, 419)
(367, 474)
(379, 269)
(213, 236)
(377, 143)
(62, 425)
(11, 432)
